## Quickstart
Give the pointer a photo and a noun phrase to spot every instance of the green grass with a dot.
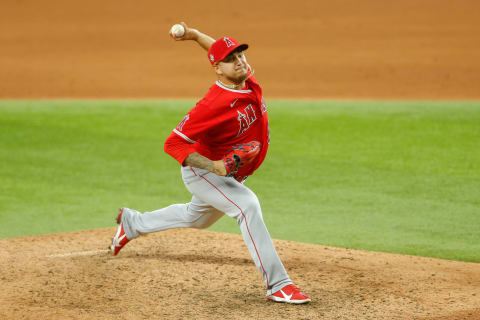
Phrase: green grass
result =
(398, 177)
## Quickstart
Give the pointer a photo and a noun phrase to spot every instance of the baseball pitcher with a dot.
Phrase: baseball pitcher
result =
(219, 143)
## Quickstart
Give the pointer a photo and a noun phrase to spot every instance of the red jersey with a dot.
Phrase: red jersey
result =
(223, 118)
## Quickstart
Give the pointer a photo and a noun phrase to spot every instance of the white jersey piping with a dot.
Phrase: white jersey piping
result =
(239, 91)
(183, 136)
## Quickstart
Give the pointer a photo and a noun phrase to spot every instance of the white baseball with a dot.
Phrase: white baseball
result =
(177, 30)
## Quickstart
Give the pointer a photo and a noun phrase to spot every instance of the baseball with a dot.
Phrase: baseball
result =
(177, 30)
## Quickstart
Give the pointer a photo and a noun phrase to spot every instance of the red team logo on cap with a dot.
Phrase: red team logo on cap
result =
(228, 42)
(222, 48)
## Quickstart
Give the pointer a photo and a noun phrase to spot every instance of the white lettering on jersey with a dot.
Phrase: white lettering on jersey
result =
(264, 106)
(251, 114)
(182, 123)
(245, 119)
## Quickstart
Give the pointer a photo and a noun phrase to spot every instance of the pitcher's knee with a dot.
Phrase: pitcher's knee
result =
(202, 224)
(252, 209)
(205, 220)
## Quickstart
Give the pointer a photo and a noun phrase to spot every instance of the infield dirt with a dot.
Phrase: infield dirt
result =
(314, 49)
(200, 274)
(346, 49)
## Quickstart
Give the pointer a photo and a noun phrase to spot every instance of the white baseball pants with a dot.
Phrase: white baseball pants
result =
(214, 196)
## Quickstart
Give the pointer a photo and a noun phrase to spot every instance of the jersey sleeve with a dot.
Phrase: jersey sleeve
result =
(196, 123)
(189, 131)
(177, 147)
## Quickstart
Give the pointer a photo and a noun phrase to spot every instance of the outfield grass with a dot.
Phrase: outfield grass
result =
(386, 176)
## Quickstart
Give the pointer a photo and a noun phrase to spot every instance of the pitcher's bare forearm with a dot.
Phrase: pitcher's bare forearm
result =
(198, 161)
(205, 41)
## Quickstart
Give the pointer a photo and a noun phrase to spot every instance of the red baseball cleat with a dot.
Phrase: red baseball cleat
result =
(120, 239)
(289, 294)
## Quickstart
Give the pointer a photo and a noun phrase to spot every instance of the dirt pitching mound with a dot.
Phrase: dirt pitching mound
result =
(199, 274)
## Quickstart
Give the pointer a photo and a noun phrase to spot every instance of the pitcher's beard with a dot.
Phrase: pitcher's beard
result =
(238, 80)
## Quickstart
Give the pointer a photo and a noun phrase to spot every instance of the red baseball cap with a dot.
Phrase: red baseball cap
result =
(223, 47)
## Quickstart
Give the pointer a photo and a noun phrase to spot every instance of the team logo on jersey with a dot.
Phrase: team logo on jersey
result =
(228, 42)
(212, 58)
(182, 123)
(246, 118)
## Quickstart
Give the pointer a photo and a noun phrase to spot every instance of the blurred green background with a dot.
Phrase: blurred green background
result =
(399, 177)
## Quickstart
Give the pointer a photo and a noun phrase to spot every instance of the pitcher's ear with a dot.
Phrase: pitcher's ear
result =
(217, 69)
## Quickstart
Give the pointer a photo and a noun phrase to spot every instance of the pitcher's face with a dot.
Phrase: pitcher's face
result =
(234, 67)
